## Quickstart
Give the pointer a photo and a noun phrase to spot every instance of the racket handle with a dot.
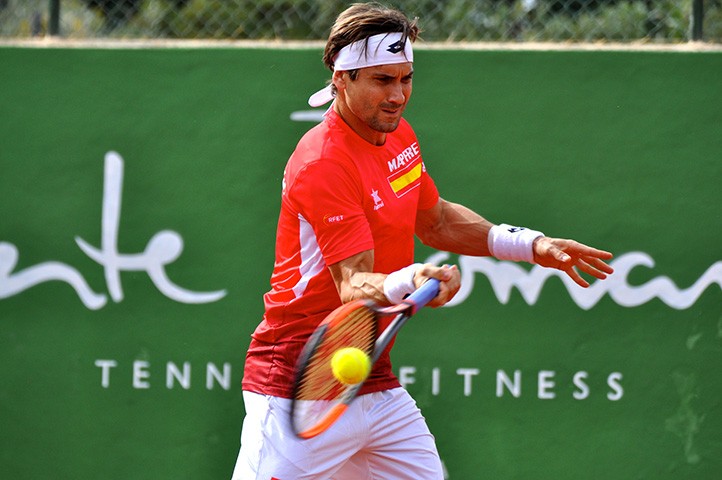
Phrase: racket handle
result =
(424, 294)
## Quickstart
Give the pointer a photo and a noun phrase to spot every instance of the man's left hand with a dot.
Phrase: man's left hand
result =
(570, 255)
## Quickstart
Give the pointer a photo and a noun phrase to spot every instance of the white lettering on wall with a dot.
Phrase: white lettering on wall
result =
(546, 385)
(105, 366)
(166, 246)
(14, 284)
(174, 374)
(213, 375)
(550, 385)
(435, 381)
(504, 276)
(503, 380)
(163, 248)
(579, 380)
(406, 376)
(467, 373)
(614, 382)
(141, 374)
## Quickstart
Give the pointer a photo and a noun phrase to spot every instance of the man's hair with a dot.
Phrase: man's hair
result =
(363, 20)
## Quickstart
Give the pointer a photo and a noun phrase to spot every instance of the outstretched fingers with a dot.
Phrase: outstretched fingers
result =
(599, 266)
(573, 257)
(593, 267)
(578, 279)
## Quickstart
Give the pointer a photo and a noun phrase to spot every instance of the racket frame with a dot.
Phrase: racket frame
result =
(403, 311)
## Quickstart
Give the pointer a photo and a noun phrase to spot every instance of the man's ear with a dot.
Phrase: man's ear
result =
(339, 79)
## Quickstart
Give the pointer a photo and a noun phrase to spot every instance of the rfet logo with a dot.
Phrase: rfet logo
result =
(330, 219)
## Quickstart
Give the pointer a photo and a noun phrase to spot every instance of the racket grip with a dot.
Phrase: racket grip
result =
(424, 294)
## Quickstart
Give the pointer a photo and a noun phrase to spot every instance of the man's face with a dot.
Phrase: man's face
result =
(374, 101)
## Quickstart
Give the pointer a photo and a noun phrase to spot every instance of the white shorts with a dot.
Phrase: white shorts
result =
(382, 435)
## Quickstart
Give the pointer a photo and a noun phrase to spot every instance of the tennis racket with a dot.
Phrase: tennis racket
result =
(319, 399)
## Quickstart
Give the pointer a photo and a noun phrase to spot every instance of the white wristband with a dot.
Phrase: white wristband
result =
(400, 283)
(507, 242)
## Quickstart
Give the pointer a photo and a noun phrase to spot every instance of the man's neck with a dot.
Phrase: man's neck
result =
(372, 136)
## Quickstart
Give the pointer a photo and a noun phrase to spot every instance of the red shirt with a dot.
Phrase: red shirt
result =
(341, 196)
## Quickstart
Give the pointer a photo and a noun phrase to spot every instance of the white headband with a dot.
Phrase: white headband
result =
(381, 49)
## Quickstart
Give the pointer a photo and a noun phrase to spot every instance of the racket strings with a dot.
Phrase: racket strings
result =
(358, 330)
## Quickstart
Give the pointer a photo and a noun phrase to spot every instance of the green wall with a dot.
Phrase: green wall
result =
(123, 359)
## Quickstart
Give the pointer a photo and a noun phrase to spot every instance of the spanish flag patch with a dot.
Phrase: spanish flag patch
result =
(406, 179)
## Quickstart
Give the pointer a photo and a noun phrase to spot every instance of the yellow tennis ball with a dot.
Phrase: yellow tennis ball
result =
(350, 365)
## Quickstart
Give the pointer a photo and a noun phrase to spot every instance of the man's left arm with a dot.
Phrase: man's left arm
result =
(454, 228)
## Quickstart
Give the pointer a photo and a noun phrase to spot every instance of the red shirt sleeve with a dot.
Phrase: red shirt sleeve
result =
(327, 194)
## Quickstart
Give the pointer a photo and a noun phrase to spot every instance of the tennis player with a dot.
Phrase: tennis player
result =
(355, 192)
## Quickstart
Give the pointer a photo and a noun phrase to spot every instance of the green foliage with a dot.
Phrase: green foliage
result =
(713, 24)
(244, 19)
(440, 20)
(115, 12)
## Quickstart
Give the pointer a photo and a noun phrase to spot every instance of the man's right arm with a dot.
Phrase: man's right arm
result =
(355, 280)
